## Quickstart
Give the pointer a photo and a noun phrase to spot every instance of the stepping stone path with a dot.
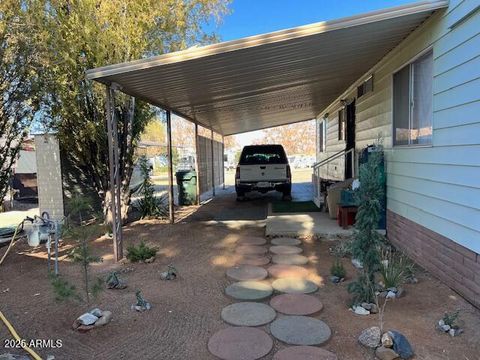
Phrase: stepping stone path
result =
(252, 241)
(296, 304)
(286, 241)
(282, 271)
(290, 259)
(240, 343)
(285, 250)
(257, 260)
(292, 285)
(300, 330)
(243, 341)
(250, 250)
(248, 314)
(247, 272)
(304, 353)
(249, 290)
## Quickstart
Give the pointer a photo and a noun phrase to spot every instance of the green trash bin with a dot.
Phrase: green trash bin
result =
(187, 187)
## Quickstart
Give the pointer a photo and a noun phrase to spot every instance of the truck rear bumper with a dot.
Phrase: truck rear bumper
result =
(263, 186)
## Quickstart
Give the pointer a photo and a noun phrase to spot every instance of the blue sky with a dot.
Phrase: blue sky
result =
(252, 17)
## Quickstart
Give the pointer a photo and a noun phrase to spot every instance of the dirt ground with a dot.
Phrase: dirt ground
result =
(186, 312)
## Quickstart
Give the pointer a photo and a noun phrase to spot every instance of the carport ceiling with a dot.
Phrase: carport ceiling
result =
(271, 79)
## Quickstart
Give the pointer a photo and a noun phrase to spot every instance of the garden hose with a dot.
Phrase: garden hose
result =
(15, 335)
(11, 242)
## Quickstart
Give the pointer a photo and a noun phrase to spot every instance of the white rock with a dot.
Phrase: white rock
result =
(87, 319)
(357, 263)
(391, 295)
(104, 319)
(445, 327)
(360, 310)
(96, 312)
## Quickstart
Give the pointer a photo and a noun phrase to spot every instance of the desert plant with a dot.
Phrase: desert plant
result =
(149, 205)
(141, 252)
(338, 269)
(342, 248)
(362, 290)
(395, 269)
(450, 319)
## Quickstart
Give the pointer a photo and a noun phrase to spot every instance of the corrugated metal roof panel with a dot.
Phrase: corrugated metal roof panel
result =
(271, 79)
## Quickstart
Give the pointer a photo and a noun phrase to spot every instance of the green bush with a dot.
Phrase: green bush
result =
(150, 206)
(362, 290)
(62, 289)
(338, 269)
(395, 269)
(140, 253)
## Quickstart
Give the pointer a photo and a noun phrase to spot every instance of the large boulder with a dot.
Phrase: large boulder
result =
(370, 337)
(401, 345)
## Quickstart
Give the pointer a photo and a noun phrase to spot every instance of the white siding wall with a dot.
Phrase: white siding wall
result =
(438, 186)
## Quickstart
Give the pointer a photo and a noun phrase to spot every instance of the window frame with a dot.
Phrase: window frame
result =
(322, 140)
(342, 123)
(363, 85)
(409, 63)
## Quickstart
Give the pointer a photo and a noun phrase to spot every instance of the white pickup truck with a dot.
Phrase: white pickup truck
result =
(263, 168)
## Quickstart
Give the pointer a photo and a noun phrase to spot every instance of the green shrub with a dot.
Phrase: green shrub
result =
(140, 253)
(338, 269)
(62, 289)
(149, 205)
(394, 269)
(450, 319)
(362, 290)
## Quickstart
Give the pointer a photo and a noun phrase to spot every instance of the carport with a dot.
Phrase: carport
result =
(257, 82)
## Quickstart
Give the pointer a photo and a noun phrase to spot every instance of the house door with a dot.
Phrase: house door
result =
(349, 138)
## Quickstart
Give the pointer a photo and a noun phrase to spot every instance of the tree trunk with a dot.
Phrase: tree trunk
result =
(124, 203)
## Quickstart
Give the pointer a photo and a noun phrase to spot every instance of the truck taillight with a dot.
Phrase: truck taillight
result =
(237, 173)
(289, 173)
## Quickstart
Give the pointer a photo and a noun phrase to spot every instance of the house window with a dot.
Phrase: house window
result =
(322, 135)
(365, 87)
(413, 102)
(342, 118)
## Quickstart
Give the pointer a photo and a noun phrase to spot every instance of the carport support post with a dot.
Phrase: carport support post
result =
(114, 169)
(197, 165)
(170, 168)
(213, 162)
(223, 161)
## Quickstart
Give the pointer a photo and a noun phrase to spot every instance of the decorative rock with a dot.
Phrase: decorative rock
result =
(85, 328)
(104, 319)
(387, 340)
(150, 260)
(248, 314)
(257, 260)
(87, 319)
(384, 353)
(250, 250)
(370, 337)
(296, 304)
(286, 241)
(252, 240)
(445, 328)
(300, 330)
(114, 282)
(247, 272)
(285, 250)
(96, 312)
(357, 263)
(282, 271)
(336, 280)
(249, 290)
(374, 309)
(170, 274)
(141, 304)
(401, 345)
(290, 259)
(360, 310)
(304, 353)
(367, 306)
(391, 295)
(240, 343)
(292, 285)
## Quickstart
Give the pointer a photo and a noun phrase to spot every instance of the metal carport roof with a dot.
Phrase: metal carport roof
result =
(270, 79)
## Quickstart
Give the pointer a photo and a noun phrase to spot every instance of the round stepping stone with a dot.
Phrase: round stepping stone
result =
(248, 314)
(252, 241)
(290, 259)
(250, 250)
(304, 353)
(296, 304)
(286, 241)
(236, 343)
(285, 250)
(300, 330)
(249, 290)
(292, 285)
(247, 272)
(257, 260)
(282, 271)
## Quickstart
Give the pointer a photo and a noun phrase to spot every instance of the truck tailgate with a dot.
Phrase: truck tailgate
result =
(265, 172)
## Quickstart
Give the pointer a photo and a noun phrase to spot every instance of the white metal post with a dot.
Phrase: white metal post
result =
(197, 165)
(171, 208)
